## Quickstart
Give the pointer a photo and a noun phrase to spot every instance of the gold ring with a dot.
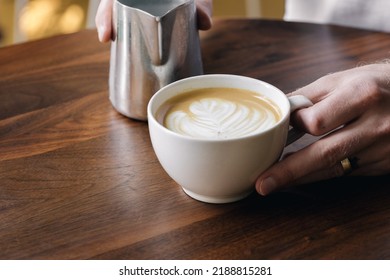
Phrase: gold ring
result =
(347, 166)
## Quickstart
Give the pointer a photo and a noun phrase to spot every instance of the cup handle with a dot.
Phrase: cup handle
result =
(297, 102)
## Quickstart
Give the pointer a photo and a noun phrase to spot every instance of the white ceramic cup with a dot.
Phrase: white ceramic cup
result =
(220, 170)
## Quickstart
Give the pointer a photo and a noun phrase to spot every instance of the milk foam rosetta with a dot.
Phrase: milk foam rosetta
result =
(220, 113)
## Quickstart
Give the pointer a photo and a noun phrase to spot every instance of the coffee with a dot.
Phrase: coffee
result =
(218, 113)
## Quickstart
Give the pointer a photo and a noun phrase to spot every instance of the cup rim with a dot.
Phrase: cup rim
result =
(151, 117)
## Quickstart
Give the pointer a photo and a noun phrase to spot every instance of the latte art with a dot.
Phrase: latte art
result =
(219, 113)
(218, 118)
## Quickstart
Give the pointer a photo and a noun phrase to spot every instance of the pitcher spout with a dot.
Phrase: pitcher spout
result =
(156, 20)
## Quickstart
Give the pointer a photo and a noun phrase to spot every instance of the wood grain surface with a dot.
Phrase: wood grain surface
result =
(80, 181)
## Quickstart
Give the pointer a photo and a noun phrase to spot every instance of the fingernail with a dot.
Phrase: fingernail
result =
(267, 186)
(101, 31)
(100, 36)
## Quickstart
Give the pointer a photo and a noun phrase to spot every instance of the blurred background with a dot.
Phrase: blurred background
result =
(24, 20)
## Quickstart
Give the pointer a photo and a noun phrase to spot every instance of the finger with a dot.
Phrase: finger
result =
(368, 162)
(321, 155)
(325, 116)
(335, 105)
(374, 160)
(103, 20)
(329, 173)
(317, 90)
(204, 14)
(377, 168)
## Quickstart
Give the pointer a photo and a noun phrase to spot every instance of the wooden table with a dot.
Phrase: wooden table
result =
(80, 181)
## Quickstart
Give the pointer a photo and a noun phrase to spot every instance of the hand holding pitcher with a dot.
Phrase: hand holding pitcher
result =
(103, 17)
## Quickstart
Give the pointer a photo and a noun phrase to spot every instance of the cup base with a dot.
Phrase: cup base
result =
(217, 200)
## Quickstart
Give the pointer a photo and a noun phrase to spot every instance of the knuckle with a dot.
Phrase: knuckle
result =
(329, 79)
(383, 129)
(372, 93)
(335, 171)
(314, 124)
(290, 175)
(329, 154)
(285, 173)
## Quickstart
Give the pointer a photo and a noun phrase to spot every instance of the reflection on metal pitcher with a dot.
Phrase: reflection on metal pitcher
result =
(155, 43)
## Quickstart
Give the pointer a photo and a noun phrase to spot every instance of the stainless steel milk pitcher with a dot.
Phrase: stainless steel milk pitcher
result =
(155, 42)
